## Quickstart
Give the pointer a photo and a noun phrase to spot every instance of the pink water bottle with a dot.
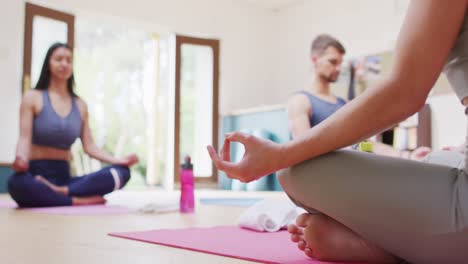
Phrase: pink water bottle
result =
(187, 198)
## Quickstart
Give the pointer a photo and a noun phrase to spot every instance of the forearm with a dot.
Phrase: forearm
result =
(363, 117)
(23, 148)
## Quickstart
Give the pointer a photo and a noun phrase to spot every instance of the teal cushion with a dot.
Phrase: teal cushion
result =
(5, 173)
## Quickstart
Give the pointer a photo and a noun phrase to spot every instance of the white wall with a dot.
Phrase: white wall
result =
(245, 31)
(11, 61)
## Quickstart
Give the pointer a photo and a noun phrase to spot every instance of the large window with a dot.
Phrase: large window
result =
(117, 69)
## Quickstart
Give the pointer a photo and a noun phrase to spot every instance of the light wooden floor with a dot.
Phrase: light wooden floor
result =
(28, 237)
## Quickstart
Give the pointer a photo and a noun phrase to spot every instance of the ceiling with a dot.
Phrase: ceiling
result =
(274, 4)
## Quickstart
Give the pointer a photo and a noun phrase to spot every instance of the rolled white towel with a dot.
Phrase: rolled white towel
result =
(160, 207)
(269, 215)
(145, 201)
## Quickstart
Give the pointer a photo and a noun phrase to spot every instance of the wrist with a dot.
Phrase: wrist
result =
(286, 156)
(21, 157)
(115, 160)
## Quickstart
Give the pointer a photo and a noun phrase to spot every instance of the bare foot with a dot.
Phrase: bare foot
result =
(323, 238)
(59, 189)
(88, 200)
(75, 200)
(297, 236)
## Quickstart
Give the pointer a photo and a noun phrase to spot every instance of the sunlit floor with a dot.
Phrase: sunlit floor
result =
(29, 237)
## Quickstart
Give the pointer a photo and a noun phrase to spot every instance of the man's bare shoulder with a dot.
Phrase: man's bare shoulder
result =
(299, 102)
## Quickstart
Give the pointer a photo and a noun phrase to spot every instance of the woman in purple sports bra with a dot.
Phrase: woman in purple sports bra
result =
(52, 117)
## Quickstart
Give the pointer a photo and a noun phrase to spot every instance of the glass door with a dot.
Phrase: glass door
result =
(196, 118)
(43, 27)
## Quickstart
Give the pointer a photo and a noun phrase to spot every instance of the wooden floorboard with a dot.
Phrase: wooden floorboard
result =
(28, 237)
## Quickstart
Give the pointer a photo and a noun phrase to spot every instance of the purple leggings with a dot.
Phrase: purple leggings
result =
(28, 192)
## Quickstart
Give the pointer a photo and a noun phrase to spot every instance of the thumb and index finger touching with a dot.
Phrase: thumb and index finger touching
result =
(223, 161)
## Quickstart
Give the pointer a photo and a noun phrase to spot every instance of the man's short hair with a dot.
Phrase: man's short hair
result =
(323, 41)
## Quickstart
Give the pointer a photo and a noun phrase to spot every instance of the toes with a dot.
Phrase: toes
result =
(101, 199)
(293, 229)
(309, 252)
(303, 219)
(296, 238)
(88, 200)
(39, 178)
(302, 245)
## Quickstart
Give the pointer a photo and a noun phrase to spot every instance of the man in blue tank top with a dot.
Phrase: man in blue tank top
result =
(311, 106)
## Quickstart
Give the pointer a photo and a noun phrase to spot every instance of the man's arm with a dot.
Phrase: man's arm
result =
(299, 112)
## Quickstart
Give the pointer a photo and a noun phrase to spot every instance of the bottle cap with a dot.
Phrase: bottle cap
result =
(187, 165)
(366, 146)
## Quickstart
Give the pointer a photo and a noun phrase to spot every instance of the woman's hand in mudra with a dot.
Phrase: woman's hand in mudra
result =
(261, 157)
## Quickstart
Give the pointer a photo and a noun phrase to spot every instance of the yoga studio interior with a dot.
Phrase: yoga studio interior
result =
(157, 131)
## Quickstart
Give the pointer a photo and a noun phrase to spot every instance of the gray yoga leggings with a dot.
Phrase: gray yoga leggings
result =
(417, 211)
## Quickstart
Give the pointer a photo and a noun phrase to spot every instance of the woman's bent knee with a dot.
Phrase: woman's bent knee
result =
(284, 178)
(16, 182)
(123, 173)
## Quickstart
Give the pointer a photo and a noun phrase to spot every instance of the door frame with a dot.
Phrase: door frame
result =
(214, 44)
(33, 10)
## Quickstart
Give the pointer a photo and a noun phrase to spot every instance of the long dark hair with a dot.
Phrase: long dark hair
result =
(44, 78)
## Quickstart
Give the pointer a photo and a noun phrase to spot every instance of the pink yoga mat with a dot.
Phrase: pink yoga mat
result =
(80, 210)
(71, 210)
(228, 241)
(8, 204)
